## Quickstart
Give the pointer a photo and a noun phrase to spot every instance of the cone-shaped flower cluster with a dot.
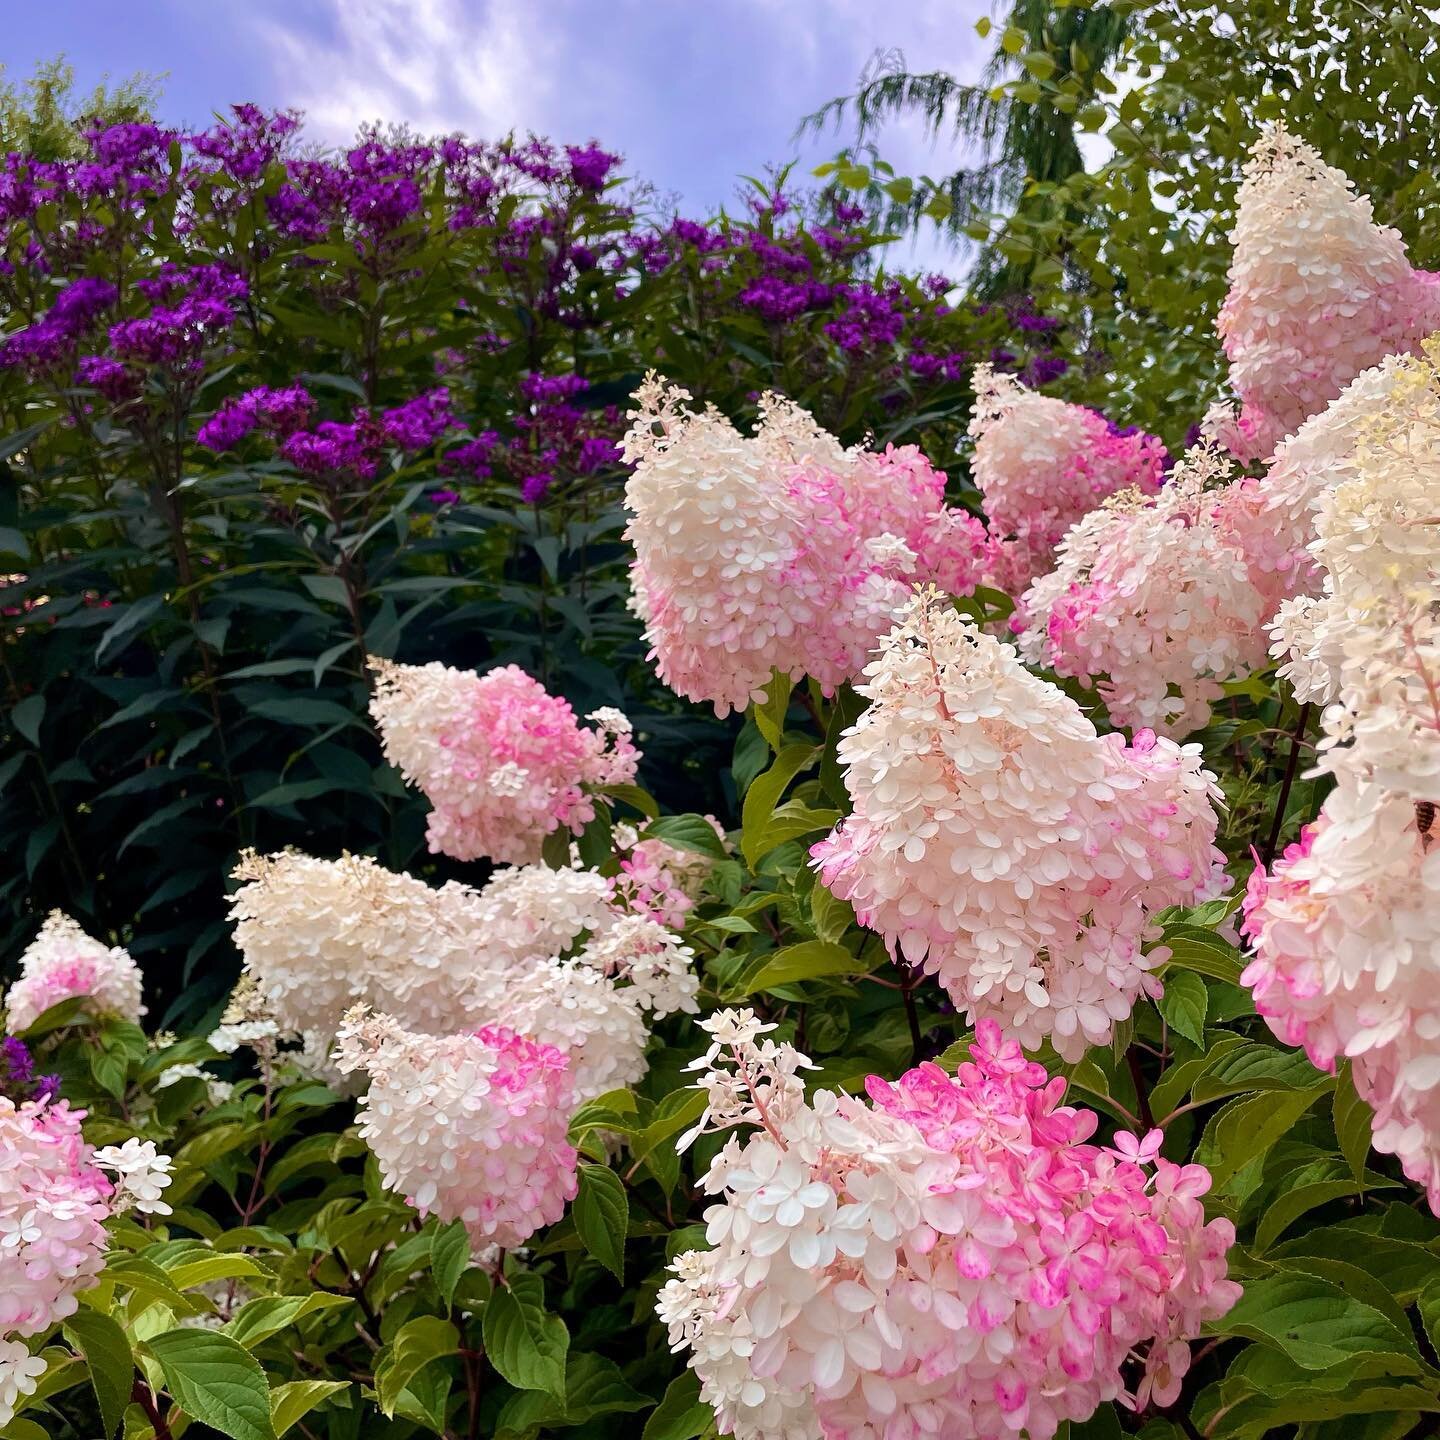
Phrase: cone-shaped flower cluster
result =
(501, 760)
(952, 1261)
(54, 1201)
(1346, 928)
(1000, 842)
(64, 963)
(468, 1127)
(1154, 602)
(776, 552)
(1040, 464)
(1318, 291)
(320, 936)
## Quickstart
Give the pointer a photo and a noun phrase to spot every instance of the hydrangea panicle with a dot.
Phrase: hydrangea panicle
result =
(501, 760)
(64, 963)
(1001, 843)
(1154, 602)
(468, 1127)
(1318, 291)
(1040, 464)
(952, 1259)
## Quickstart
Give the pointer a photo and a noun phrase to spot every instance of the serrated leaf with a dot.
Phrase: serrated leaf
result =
(1246, 1129)
(686, 832)
(109, 1359)
(295, 1399)
(1316, 1324)
(602, 1216)
(449, 1258)
(216, 1381)
(1353, 1121)
(526, 1344)
(1184, 1004)
(809, 960)
(681, 1415)
(764, 795)
(770, 713)
(418, 1342)
(268, 1315)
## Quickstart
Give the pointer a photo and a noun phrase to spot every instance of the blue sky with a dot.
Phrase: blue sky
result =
(694, 92)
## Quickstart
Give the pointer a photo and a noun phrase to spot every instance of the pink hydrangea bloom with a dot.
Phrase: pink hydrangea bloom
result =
(468, 1127)
(1318, 291)
(657, 879)
(1001, 843)
(1346, 931)
(1040, 464)
(952, 1260)
(1155, 602)
(779, 551)
(64, 963)
(502, 761)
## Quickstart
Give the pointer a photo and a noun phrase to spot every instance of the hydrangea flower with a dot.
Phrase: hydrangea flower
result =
(952, 1259)
(1040, 464)
(54, 1201)
(1000, 843)
(1318, 291)
(656, 878)
(1154, 602)
(778, 551)
(501, 760)
(468, 1127)
(1346, 931)
(64, 963)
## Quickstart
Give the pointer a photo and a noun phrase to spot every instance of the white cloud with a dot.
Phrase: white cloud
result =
(439, 65)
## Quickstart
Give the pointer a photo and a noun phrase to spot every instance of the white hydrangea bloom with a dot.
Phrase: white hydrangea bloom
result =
(64, 963)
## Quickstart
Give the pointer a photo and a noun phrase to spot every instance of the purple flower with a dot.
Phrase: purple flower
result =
(109, 377)
(533, 488)
(281, 410)
(420, 422)
(443, 497)
(546, 389)
(47, 1087)
(330, 448)
(590, 166)
(472, 458)
(597, 453)
(17, 1065)
(1044, 368)
(54, 335)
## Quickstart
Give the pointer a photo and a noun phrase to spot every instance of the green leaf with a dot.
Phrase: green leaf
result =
(208, 1268)
(26, 717)
(419, 1341)
(1297, 1202)
(1184, 1004)
(681, 1415)
(633, 795)
(830, 915)
(809, 960)
(449, 1258)
(259, 1319)
(216, 1381)
(1353, 1120)
(1246, 1129)
(770, 715)
(602, 1216)
(295, 1399)
(764, 795)
(1192, 948)
(593, 1386)
(109, 1359)
(1316, 1324)
(686, 832)
(525, 1343)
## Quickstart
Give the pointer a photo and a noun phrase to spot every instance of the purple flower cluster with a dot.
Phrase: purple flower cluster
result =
(283, 411)
(18, 1081)
(872, 318)
(191, 308)
(54, 336)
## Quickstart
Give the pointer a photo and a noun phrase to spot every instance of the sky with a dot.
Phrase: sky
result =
(694, 93)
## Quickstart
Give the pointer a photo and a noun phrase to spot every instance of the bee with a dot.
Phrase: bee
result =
(1424, 815)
